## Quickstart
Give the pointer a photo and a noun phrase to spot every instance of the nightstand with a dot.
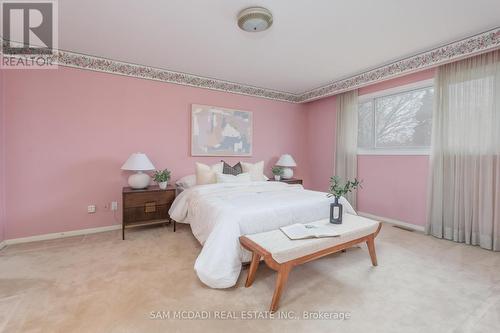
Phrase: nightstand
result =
(288, 181)
(148, 206)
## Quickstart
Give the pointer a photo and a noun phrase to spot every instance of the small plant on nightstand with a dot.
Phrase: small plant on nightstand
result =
(277, 172)
(162, 177)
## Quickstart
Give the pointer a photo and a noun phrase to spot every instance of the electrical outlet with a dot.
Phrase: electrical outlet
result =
(91, 209)
(114, 205)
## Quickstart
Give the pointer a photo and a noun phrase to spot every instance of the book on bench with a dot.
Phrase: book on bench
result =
(304, 231)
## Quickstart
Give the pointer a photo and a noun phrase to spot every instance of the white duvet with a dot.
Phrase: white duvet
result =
(220, 213)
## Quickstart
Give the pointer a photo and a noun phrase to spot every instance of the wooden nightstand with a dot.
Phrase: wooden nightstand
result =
(146, 207)
(288, 181)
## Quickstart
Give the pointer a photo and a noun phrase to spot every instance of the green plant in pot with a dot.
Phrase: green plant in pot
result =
(338, 189)
(162, 177)
(277, 172)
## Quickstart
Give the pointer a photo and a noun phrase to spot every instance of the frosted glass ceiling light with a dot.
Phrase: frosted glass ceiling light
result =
(255, 19)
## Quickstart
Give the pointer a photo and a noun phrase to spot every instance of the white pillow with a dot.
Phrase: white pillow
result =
(206, 174)
(256, 170)
(186, 181)
(241, 178)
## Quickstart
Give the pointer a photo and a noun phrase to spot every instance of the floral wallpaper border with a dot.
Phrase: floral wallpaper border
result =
(487, 41)
(69, 59)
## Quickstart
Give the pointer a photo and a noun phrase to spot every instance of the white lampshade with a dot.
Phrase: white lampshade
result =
(138, 162)
(286, 160)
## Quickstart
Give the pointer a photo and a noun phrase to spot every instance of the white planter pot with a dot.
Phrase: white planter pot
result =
(277, 178)
(163, 185)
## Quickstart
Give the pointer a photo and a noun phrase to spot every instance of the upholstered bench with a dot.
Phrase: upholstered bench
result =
(282, 254)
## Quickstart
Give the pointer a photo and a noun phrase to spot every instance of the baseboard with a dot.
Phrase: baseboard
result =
(56, 235)
(395, 222)
(81, 232)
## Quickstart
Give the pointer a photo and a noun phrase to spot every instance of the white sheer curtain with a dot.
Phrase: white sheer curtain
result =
(346, 151)
(465, 173)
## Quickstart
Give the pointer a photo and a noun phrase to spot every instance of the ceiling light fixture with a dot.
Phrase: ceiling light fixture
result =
(255, 19)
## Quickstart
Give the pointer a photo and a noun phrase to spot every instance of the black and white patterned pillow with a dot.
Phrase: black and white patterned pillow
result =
(232, 170)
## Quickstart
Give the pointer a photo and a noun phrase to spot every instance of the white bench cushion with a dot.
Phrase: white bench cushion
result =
(284, 249)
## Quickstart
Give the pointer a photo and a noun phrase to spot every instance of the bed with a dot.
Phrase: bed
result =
(220, 213)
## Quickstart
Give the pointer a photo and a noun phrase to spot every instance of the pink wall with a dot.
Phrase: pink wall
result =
(321, 123)
(70, 130)
(393, 186)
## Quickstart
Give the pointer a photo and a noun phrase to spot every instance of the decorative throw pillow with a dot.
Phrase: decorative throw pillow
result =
(256, 170)
(241, 178)
(206, 174)
(232, 170)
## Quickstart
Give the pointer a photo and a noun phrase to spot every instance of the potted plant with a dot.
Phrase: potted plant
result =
(277, 172)
(162, 177)
(337, 189)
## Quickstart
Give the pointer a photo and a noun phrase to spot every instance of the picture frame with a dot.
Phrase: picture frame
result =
(219, 131)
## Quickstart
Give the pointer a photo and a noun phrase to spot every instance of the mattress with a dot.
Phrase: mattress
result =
(220, 213)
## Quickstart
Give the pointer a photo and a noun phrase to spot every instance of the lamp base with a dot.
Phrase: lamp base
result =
(139, 180)
(287, 173)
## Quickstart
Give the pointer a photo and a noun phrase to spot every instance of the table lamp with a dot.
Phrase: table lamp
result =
(287, 162)
(138, 162)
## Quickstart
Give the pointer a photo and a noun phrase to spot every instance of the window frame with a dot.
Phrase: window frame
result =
(423, 84)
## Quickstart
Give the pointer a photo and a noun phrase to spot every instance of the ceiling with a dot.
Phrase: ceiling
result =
(310, 43)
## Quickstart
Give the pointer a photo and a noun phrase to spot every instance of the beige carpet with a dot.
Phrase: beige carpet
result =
(99, 283)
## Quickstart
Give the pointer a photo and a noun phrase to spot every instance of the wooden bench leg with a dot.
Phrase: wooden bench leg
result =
(281, 279)
(371, 248)
(252, 271)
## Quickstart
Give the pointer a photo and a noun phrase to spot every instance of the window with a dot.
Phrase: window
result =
(396, 121)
